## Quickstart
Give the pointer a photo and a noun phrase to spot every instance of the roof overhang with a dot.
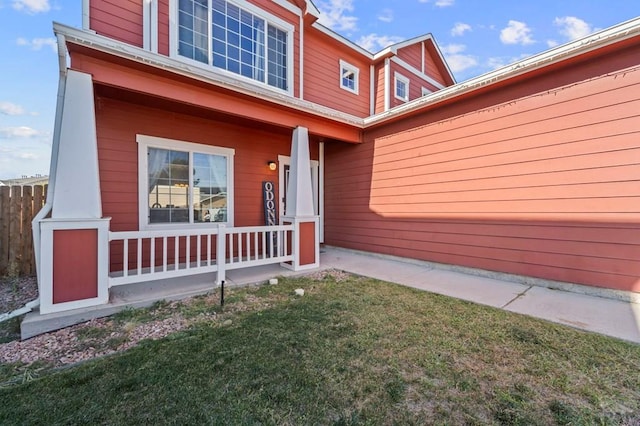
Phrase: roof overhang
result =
(91, 44)
(599, 40)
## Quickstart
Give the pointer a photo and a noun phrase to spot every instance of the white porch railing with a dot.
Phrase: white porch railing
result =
(152, 255)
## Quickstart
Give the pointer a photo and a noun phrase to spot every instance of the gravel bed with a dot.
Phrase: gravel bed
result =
(104, 336)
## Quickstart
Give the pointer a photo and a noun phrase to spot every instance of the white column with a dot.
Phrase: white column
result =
(77, 193)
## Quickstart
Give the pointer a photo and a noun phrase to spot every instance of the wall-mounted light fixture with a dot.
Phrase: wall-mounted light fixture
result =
(272, 165)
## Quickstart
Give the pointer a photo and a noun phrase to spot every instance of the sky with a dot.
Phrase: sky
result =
(475, 36)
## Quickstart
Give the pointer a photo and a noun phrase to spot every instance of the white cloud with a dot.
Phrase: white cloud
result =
(32, 6)
(552, 43)
(8, 108)
(501, 61)
(333, 14)
(573, 28)
(386, 15)
(460, 28)
(440, 3)
(455, 58)
(38, 43)
(18, 132)
(516, 33)
(374, 42)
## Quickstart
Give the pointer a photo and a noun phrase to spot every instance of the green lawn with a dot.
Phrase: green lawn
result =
(359, 351)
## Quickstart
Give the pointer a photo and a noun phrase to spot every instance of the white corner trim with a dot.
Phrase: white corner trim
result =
(372, 90)
(417, 72)
(423, 51)
(387, 85)
(86, 21)
(301, 61)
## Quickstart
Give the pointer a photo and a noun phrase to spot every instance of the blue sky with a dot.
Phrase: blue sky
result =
(475, 36)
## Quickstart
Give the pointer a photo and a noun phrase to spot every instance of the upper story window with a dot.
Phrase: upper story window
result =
(237, 37)
(349, 77)
(401, 87)
(182, 183)
(426, 91)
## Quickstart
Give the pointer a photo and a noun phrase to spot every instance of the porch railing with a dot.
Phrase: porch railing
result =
(137, 256)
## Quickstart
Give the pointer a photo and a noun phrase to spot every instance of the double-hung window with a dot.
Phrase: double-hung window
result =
(349, 75)
(401, 87)
(237, 37)
(182, 183)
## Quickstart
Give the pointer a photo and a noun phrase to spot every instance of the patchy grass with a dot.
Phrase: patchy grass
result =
(358, 351)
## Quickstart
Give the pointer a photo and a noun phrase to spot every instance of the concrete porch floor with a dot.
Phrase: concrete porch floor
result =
(617, 315)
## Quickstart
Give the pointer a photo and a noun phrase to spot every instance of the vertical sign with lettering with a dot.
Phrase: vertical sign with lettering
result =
(270, 216)
(269, 196)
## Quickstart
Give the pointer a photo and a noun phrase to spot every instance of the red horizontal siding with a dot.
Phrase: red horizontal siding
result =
(322, 57)
(118, 123)
(120, 20)
(412, 55)
(543, 183)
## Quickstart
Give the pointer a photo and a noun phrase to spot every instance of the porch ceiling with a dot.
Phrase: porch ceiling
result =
(168, 89)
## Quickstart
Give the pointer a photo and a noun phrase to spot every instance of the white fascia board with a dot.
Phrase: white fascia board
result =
(312, 9)
(416, 72)
(603, 38)
(290, 7)
(342, 40)
(133, 53)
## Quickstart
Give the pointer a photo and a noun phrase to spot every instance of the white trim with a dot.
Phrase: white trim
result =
(344, 65)
(144, 142)
(243, 4)
(416, 72)
(609, 36)
(255, 90)
(86, 18)
(321, 189)
(422, 49)
(48, 226)
(397, 77)
(285, 160)
(372, 90)
(301, 61)
(425, 91)
(290, 7)
(154, 26)
(342, 40)
(387, 85)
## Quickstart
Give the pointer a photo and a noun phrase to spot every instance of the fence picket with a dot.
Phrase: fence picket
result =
(18, 207)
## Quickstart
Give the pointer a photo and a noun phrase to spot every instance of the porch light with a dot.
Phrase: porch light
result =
(272, 165)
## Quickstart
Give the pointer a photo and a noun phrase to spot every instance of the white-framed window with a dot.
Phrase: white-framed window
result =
(426, 91)
(401, 87)
(349, 76)
(234, 36)
(182, 184)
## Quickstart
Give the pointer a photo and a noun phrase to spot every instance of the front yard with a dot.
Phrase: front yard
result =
(350, 351)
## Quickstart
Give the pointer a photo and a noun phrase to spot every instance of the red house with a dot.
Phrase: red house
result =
(179, 121)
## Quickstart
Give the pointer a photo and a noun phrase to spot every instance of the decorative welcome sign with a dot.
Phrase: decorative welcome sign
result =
(269, 197)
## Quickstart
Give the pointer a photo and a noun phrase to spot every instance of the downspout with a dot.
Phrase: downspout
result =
(53, 166)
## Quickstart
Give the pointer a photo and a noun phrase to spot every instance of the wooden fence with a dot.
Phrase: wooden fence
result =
(18, 206)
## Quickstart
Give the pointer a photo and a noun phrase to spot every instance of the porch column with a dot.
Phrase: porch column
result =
(299, 209)
(74, 245)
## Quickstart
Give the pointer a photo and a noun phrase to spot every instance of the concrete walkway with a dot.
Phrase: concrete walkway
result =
(616, 318)
(611, 317)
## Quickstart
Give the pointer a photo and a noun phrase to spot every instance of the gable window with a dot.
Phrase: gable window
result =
(182, 183)
(401, 85)
(349, 77)
(425, 91)
(237, 37)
